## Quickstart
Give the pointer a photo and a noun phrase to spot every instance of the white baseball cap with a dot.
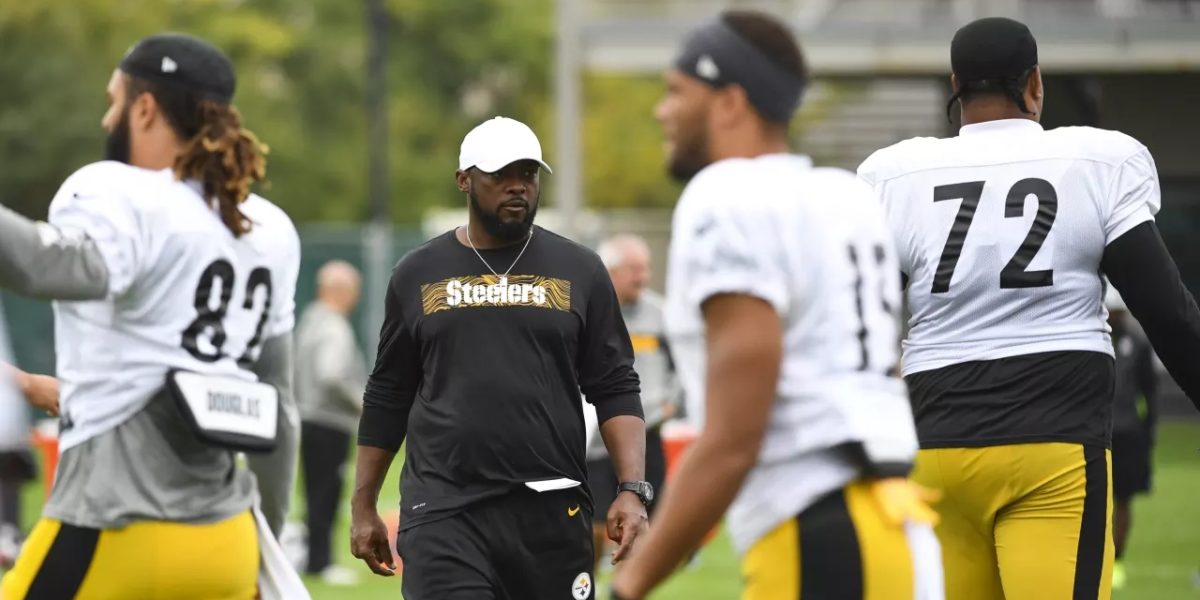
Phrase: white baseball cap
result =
(497, 143)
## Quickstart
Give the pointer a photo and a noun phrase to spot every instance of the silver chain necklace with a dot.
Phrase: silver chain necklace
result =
(503, 278)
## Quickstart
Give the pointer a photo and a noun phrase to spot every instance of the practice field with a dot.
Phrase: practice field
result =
(1163, 558)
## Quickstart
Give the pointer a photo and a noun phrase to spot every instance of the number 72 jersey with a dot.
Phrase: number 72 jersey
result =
(1000, 232)
(184, 292)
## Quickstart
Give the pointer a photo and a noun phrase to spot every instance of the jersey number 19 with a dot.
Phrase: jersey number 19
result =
(873, 264)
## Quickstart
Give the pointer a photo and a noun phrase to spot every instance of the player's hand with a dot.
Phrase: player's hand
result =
(626, 521)
(902, 500)
(669, 410)
(369, 542)
(41, 391)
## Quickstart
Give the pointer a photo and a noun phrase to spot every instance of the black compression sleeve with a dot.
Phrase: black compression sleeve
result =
(1140, 267)
(393, 383)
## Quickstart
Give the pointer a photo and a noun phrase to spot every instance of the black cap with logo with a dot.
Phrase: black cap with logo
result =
(185, 61)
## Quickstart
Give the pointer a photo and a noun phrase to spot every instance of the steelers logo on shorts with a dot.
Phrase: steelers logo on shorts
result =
(582, 588)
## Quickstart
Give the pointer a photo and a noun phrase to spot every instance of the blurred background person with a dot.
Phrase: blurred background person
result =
(16, 464)
(627, 258)
(1135, 413)
(330, 377)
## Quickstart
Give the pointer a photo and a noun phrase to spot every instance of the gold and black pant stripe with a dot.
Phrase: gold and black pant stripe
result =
(842, 548)
(147, 560)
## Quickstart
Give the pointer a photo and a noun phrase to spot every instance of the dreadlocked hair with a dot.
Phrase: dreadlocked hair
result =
(1013, 87)
(217, 151)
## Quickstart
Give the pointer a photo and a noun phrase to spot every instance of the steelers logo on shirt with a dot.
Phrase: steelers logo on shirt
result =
(582, 588)
(485, 291)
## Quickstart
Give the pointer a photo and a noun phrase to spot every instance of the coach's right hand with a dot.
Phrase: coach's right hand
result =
(369, 542)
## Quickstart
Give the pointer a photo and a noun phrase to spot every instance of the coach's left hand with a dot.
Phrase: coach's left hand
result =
(626, 521)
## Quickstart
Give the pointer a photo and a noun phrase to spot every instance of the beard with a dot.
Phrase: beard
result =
(117, 145)
(690, 155)
(505, 232)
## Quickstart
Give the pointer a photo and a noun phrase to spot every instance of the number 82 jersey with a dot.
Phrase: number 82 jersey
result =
(1000, 232)
(183, 291)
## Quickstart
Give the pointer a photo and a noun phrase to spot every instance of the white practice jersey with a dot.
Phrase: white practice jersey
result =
(184, 293)
(813, 243)
(1001, 231)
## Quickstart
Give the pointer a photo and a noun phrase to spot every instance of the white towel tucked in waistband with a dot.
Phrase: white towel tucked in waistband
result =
(277, 580)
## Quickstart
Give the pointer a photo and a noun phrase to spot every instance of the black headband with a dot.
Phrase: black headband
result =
(719, 56)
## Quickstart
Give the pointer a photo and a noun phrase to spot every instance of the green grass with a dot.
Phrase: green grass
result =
(1162, 557)
(1163, 553)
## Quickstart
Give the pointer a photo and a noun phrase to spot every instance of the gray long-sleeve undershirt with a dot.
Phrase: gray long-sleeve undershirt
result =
(276, 470)
(41, 261)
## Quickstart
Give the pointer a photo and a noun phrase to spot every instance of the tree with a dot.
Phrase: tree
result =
(301, 89)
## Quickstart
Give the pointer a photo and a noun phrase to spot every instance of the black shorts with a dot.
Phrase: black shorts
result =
(520, 546)
(602, 478)
(1130, 465)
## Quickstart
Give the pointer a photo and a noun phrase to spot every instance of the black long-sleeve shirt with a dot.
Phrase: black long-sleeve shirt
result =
(484, 379)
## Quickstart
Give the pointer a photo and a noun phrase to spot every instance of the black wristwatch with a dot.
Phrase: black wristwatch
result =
(643, 489)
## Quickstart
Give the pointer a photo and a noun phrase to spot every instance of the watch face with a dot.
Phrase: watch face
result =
(646, 492)
(643, 489)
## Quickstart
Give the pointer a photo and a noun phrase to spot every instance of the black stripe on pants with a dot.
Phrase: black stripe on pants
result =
(61, 573)
(1089, 557)
(323, 450)
(830, 558)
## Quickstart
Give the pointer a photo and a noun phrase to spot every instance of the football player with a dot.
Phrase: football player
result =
(1003, 232)
(782, 300)
(175, 290)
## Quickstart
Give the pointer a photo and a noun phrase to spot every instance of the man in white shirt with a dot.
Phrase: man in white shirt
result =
(1003, 233)
(16, 463)
(18, 390)
(782, 300)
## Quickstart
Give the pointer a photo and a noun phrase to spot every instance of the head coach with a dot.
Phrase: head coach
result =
(491, 332)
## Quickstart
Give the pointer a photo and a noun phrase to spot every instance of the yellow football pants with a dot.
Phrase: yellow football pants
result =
(149, 560)
(842, 548)
(1023, 521)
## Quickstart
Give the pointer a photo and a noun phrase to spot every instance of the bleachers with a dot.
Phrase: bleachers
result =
(907, 37)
